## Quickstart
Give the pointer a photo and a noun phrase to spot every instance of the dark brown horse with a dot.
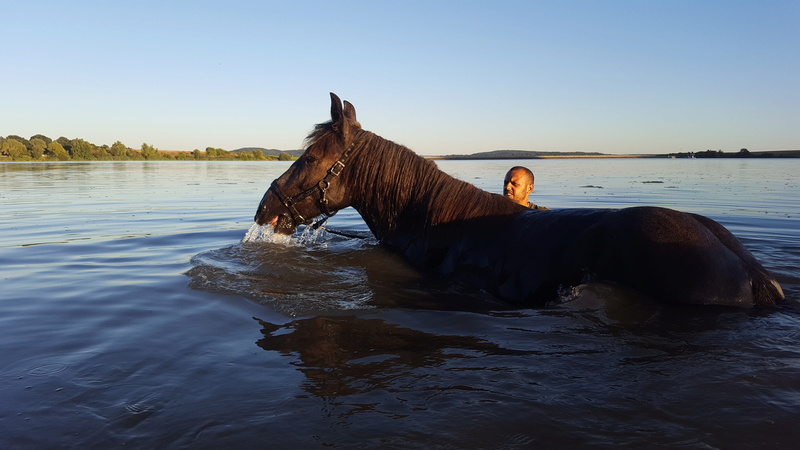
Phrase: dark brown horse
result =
(523, 256)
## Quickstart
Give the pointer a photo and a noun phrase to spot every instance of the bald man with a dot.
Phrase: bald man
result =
(519, 185)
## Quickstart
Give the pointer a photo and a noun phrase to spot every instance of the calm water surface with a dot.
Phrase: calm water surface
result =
(133, 311)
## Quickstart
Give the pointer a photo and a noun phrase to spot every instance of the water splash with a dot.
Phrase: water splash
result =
(310, 236)
(265, 233)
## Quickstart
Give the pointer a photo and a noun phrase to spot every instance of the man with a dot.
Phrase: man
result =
(519, 185)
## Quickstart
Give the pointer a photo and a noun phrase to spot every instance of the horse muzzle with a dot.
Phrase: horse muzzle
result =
(270, 213)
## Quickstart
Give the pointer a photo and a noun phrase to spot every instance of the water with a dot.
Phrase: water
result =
(134, 312)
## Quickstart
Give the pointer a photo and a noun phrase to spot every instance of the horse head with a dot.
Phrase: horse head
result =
(311, 187)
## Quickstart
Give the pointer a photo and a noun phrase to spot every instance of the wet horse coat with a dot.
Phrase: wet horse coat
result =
(523, 256)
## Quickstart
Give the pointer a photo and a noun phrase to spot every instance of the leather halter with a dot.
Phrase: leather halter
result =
(321, 187)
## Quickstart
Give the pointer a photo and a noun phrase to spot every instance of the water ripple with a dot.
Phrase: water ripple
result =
(47, 369)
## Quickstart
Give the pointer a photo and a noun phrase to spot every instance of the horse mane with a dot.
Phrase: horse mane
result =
(397, 187)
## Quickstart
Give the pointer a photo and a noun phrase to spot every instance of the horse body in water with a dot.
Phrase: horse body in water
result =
(520, 255)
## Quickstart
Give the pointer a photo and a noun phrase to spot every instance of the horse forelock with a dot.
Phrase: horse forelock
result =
(316, 135)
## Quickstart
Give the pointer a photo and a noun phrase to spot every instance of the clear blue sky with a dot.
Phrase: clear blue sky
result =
(441, 77)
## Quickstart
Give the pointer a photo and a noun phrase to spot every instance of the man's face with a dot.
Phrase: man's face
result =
(518, 186)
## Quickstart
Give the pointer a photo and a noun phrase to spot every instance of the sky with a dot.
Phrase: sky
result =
(441, 77)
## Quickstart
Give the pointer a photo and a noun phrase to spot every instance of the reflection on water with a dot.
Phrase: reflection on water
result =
(349, 355)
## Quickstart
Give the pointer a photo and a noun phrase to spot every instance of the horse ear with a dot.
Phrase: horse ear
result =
(336, 109)
(350, 114)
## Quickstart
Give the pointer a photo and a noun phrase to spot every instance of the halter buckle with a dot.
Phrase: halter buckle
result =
(337, 167)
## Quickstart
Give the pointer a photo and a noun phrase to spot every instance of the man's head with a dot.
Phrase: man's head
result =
(518, 184)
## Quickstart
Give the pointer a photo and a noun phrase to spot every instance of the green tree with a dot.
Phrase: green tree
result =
(57, 151)
(149, 152)
(81, 150)
(118, 150)
(66, 144)
(101, 153)
(215, 153)
(21, 139)
(38, 146)
(284, 157)
(14, 149)
(46, 139)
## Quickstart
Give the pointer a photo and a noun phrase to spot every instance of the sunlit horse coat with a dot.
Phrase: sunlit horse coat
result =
(523, 256)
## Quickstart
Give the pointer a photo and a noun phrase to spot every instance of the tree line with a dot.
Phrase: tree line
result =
(41, 148)
(743, 153)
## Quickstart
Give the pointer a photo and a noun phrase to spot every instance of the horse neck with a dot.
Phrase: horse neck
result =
(399, 192)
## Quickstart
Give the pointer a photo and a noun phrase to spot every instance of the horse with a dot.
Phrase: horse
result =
(522, 256)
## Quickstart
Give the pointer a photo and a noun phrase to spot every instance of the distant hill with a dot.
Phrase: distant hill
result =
(523, 154)
(268, 151)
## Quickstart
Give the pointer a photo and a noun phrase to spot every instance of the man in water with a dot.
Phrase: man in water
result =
(518, 185)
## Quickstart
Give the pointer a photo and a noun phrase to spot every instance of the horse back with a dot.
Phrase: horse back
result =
(676, 256)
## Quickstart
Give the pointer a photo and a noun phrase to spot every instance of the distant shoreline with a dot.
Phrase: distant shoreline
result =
(523, 154)
(474, 158)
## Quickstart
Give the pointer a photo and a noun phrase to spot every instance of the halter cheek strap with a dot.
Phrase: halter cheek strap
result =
(322, 187)
(288, 202)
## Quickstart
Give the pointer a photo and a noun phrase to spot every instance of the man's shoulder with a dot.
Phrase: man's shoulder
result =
(535, 206)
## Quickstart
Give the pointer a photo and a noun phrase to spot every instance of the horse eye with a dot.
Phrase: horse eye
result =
(310, 159)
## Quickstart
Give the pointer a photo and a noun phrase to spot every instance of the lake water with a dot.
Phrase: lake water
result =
(132, 313)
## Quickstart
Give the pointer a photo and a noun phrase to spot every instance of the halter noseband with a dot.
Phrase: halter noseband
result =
(322, 187)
